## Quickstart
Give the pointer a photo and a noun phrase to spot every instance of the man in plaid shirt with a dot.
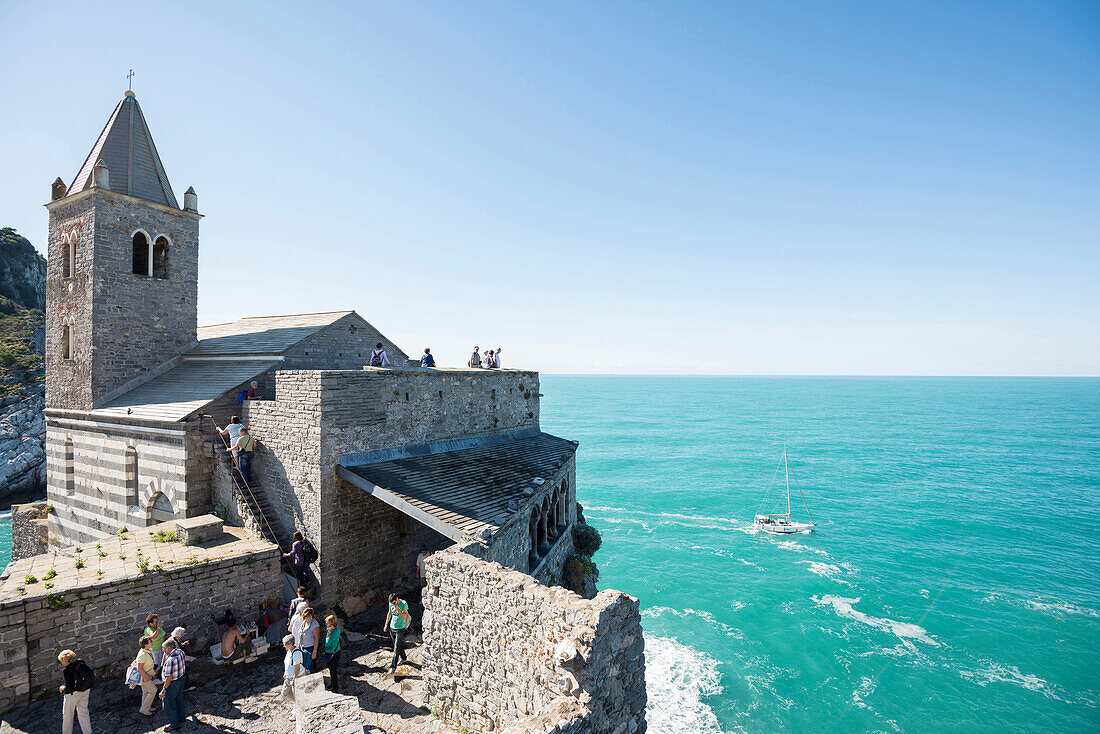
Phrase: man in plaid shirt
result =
(173, 669)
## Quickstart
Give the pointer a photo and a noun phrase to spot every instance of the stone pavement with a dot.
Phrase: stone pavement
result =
(244, 699)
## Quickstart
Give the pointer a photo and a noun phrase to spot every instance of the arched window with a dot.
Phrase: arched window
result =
(160, 258)
(142, 261)
(70, 468)
(68, 342)
(131, 477)
(68, 256)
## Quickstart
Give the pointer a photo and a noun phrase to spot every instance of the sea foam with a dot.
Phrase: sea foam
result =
(906, 631)
(678, 678)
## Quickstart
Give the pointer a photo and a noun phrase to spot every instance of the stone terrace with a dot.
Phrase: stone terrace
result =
(117, 558)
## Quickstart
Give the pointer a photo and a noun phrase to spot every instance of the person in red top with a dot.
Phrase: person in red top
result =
(253, 393)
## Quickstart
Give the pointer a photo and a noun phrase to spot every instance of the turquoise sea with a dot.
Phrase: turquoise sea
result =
(953, 584)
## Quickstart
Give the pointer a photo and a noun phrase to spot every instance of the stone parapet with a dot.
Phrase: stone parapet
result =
(503, 651)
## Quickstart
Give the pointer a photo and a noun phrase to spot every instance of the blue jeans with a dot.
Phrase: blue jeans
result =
(244, 461)
(174, 707)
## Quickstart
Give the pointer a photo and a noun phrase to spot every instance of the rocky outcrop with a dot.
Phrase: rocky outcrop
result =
(22, 271)
(22, 388)
(22, 444)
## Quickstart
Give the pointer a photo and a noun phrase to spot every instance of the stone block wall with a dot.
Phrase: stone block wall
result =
(345, 345)
(92, 495)
(500, 649)
(318, 416)
(125, 324)
(371, 549)
(286, 464)
(102, 620)
(29, 531)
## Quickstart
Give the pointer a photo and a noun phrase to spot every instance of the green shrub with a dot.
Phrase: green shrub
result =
(30, 579)
(79, 563)
(49, 574)
(165, 536)
(586, 539)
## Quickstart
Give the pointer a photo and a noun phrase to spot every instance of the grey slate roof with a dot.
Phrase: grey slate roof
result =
(262, 334)
(126, 148)
(182, 390)
(467, 489)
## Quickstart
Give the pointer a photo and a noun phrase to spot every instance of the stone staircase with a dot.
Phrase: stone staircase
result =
(259, 506)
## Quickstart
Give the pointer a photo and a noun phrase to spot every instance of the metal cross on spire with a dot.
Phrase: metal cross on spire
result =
(130, 81)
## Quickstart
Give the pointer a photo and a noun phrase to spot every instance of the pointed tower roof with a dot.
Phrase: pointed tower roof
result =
(126, 148)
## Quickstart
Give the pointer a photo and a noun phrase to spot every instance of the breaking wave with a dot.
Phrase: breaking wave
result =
(678, 679)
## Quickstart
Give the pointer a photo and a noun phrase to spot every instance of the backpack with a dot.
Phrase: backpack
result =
(242, 396)
(83, 677)
(309, 553)
(376, 359)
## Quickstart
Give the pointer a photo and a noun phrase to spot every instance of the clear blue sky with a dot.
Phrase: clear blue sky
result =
(772, 187)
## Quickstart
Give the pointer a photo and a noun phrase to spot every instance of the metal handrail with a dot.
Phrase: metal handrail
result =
(236, 465)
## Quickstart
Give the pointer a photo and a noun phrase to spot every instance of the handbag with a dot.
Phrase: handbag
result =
(133, 677)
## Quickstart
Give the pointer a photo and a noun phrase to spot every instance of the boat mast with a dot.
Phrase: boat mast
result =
(787, 479)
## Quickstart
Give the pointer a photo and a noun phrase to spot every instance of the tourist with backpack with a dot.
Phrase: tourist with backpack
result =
(79, 679)
(378, 357)
(173, 670)
(302, 554)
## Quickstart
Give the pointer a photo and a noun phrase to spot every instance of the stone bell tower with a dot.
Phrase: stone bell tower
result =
(122, 267)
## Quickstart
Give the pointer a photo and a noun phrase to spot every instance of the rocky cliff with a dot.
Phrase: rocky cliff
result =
(22, 388)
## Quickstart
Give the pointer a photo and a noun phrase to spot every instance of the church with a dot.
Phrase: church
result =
(368, 463)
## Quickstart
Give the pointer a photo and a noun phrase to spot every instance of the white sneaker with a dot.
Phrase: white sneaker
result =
(292, 716)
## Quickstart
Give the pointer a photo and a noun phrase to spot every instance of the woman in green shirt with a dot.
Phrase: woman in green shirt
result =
(156, 632)
(397, 623)
(333, 648)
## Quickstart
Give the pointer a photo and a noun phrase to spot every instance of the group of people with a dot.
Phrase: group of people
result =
(161, 660)
(304, 644)
(491, 360)
(240, 445)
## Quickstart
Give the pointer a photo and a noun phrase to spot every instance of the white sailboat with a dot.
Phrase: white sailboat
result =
(780, 523)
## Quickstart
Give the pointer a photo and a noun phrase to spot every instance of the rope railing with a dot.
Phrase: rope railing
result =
(244, 482)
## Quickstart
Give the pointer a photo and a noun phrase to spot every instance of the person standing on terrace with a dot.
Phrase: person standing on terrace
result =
(378, 357)
(475, 359)
(173, 671)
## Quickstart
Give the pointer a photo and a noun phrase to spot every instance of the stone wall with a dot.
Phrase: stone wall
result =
(125, 324)
(101, 616)
(319, 416)
(501, 650)
(91, 489)
(345, 345)
(29, 531)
